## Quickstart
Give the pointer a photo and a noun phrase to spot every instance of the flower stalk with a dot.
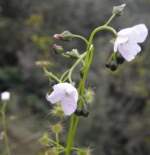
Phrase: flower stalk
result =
(4, 124)
(87, 63)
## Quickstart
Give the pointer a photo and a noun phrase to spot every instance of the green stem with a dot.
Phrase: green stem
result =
(74, 66)
(110, 19)
(98, 29)
(88, 60)
(51, 75)
(71, 135)
(75, 119)
(4, 123)
(57, 141)
(81, 37)
(64, 76)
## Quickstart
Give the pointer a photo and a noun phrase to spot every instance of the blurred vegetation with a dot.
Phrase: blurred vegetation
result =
(119, 121)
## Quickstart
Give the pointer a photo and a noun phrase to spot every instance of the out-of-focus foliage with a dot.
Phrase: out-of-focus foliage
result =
(118, 123)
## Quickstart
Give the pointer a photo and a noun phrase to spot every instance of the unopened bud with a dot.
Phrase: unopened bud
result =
(58, 49)
(57, 36)
(42, 63)
(74, 53)
(118, 10)
(85, 151)
(89, 95)
(65, 36)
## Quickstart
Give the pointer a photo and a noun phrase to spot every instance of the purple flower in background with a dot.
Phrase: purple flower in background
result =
(65, 94)
(127, 41)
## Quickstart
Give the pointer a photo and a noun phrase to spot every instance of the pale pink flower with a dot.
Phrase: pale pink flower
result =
(66, 95)
(127, 41)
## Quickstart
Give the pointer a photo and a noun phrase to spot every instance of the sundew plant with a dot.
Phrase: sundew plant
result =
(70, 98)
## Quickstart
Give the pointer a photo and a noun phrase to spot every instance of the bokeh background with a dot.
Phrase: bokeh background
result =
(119, 121)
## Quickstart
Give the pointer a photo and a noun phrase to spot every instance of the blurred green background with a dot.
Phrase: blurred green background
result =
(119, 121)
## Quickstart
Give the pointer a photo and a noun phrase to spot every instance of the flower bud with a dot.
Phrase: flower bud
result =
(58, 49)
(57, 36)
(65, 36)
(89, 95)
(118, 9)
(42, 63)
(85, 151)
(74, 53)
(51, 151)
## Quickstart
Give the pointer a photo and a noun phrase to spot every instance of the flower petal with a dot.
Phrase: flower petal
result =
(139, 33)
(125, 32)
(129, 50)
(54, 97)
(63, 86)
(67, 95)
(69, 105)
(118, 41)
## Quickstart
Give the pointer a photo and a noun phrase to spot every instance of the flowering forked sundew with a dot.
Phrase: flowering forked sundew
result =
(65, 94)
(127, 41)
(75, 100)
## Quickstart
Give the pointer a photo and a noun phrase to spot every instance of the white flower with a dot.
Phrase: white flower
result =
(5, 96)
(65, 94)
(127, 41)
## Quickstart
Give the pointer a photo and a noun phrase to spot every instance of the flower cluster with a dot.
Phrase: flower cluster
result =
(126, 43)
